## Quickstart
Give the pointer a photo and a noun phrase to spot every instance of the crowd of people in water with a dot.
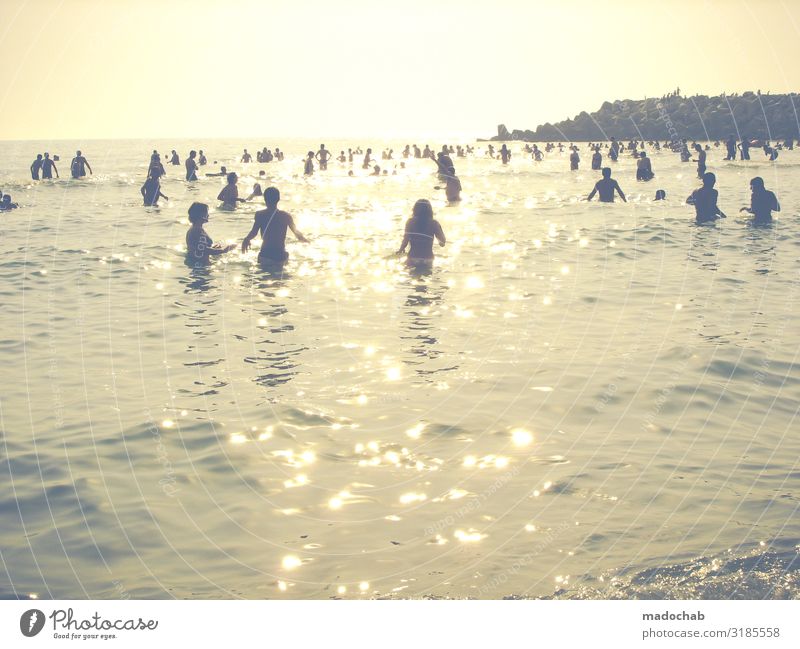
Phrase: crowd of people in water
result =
(421, 230)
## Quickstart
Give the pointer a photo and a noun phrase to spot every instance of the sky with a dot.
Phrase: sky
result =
(239, 68)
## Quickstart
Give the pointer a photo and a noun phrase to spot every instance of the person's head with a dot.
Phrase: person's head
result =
(310, 154)
(192, 153)
(322, 146)
(46, 155)
(198, 213)
(709, 179)
(257, 190)
(606, 171)
(223, 170)
(661, 195)
(78, 153)
(642, 155)
(272, 196)
(697, 147)
(201, 151)
(423, 210)
(369, 150)
(232, 178)
(757, 184)
(39, 156)
(245, 150)
(262, 173)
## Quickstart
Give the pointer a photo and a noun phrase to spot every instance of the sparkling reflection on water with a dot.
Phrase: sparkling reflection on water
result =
(580, 400)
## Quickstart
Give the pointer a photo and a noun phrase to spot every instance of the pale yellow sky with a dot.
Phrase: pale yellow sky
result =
(191, 68)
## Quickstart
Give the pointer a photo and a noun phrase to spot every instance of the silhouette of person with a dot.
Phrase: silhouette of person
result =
(79, 165)
(420, 232)
(701, 160)
(308, 167)
(201, 159)
(191, 166)
(613, 151)
(704, 200)
(744, 148)
(574, 159)
(323, 155)
(48, 167)
(272, 224)
(762, 202)
(606, 187)
(174, 159)
(6, 204)
(230, 193)
(597, 159)
(730, 144)
(36, 167)
(246, 157)
(505, 154)
(661, 195)
(151, 190)
(644, 171)
(199, 245)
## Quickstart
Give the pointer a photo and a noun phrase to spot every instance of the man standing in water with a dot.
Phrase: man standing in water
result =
(79, 165)
(704, 200)
(36, 167)
(272, 223)
(730, 144)
(606, 187)
(762, 202)
(323, 155)
(191, 166)
(48, 166)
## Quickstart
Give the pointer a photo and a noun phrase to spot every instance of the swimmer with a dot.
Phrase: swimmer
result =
(230, 193)
(191, 166)
(644, 171)
(704, 200)
(199, 246)
(48, 167)
(452, 188)
(661, 195)
(6, 205)
(421, 230)
(201, 159)
(272, 223)
(342, 158)
(376, 171)
(36, 167)
(222, 172)
(174, 159)
(730, 145)
(151, 190)
(323, 155)
(597, 159)
(762, 202)
(367, 159)
(505, 154)
(246, 157)
(744, 148)
(606, 187)
(308, 168)
(155, 165)
(613, 151)
(78, 166)
(574, 159)
(701, 161)
(256, 191)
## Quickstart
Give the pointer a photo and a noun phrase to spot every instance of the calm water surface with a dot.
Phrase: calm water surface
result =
(578, 400)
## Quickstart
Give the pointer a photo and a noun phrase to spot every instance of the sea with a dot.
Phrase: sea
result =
(577, 400)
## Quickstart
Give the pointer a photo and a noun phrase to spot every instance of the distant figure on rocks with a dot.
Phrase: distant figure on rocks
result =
(644, 171)
(199, 245)
(762, 202)
(48, 167)
(701, 160)
(79, 165)
(272, 223)
(704, 200)
(151, 190)
(191, 166)
(606, 187)
(36, 167)
(421, 230)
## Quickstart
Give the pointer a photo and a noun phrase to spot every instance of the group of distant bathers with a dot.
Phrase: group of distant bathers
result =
(47, 165)
(704, 199)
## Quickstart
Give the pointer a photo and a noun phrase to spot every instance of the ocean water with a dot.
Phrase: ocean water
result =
(578, 400)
